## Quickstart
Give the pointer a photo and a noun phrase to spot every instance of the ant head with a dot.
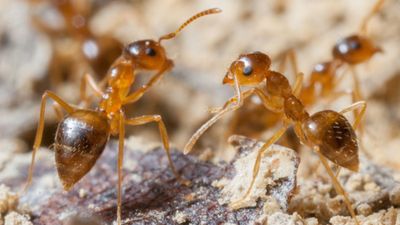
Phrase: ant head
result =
(146, 54)
(354, 49)
(249, 69)
(150, 54)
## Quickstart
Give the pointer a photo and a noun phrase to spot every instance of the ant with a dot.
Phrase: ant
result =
(352, 50)
(252, 119)
(75, 43)
(81, 136)
(327, 132)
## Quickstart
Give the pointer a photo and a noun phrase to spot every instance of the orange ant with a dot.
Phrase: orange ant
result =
(352, 50)
(81, 136)
(89, 51)
(252, 119)
(327, 132)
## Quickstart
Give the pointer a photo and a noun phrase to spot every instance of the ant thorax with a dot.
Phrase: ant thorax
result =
(294, 109)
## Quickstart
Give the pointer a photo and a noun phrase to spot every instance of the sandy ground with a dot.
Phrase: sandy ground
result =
(201, 53)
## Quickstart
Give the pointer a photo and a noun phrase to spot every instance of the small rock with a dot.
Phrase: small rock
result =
(14, 218)
(364, 209)
(395, 196)
(8, 200)
(180, 217)
(277, 176)
(284, 219)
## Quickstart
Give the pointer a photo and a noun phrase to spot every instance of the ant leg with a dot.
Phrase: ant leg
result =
(268, 102)
(357, 96)
(233, 124)
(120, 163)
(192, 141)
(219, 113)
(356, 83)
(377, 6)
(135, 96)
(40, 128)
(256, 168)
(291, 55)
(58, 111)
(245, 94)
(336, 184)
(164, 136)
(87, 79)
(298, 84)
(103, 82)
(340, 78)
(359, 114)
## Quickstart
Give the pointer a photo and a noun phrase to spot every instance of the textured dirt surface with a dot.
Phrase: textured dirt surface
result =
(201, 55)
(151, 194)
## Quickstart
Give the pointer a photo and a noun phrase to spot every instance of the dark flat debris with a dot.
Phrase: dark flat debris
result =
(151, 193)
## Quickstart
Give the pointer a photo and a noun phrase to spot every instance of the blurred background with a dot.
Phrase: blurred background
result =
(39, 50)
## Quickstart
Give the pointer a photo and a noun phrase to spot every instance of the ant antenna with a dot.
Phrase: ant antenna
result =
(191, 19)
(374, 10)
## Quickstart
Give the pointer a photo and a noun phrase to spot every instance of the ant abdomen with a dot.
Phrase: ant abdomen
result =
(335, 137)
(80, 139)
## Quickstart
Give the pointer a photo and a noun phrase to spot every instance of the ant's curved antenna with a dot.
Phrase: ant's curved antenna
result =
(191, 19)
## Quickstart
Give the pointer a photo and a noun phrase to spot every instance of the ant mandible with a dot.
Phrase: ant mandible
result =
(81, 136)
(327, 132)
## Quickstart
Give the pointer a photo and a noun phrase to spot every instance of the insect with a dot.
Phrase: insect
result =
(252, 120)
(75, 47)
(327, 132)
(351, 51)
(82, 134)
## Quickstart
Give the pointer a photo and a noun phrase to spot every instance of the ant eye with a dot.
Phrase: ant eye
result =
(247, 70)
(150, 52)
(355, 45)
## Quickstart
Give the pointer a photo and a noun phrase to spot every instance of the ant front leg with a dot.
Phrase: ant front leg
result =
(232, 100)
(141, 120)
(219, 113)
(40, 128)
(336, 184)
(135, 96)
(120, 163)
(298, 84)
(87, 79)
(266, 100)
(257, 163)
(291, 55)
